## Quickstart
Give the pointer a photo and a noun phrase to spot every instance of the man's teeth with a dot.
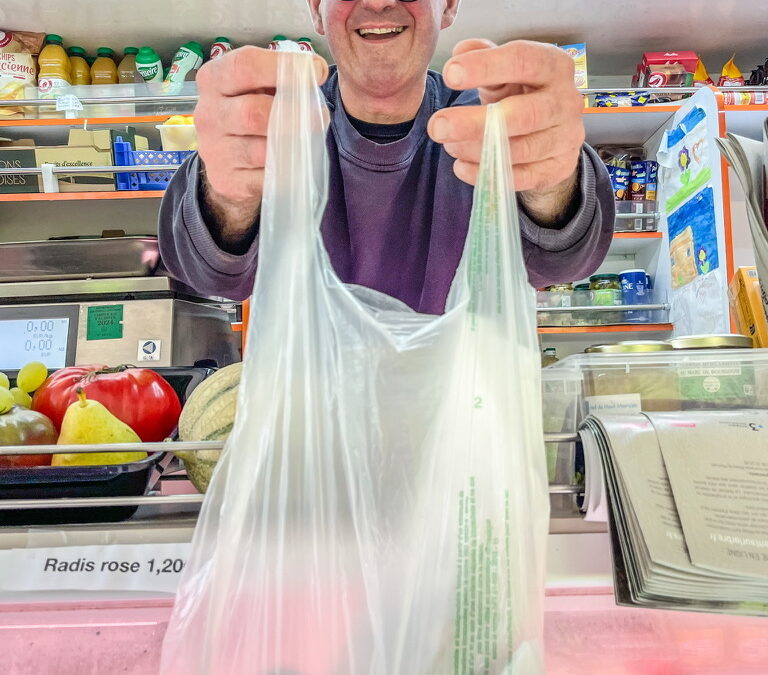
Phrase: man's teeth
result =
(381, 31)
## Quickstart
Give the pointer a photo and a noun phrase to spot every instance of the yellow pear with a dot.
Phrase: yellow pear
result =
(90, 423)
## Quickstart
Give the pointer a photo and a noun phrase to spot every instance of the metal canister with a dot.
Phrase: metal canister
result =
(636, 371)
(715, 383)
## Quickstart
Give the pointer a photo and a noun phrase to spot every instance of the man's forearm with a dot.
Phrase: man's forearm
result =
(555, 207)
(233, 226)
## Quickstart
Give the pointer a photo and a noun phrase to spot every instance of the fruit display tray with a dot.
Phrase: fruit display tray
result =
(117, 480)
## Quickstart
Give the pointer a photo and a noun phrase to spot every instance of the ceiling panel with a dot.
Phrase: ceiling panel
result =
(617, 31)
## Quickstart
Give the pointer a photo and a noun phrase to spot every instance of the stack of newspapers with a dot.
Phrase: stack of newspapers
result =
(687, 503)
(749, 160)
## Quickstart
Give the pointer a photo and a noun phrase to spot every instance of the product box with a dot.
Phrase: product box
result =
(17, 155)
(578, 53)
(666, 69)
(84, 148)
(747, 305)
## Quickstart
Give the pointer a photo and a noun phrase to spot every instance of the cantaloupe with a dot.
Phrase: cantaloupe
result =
(208, 415)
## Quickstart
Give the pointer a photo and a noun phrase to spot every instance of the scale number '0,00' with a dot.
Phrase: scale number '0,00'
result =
(167, 566)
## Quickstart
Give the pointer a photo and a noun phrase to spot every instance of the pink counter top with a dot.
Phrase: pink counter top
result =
(585, 633)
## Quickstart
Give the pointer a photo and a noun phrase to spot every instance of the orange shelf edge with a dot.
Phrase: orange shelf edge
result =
(624, 328)
(81, 196)
(637, 235)
(82, 120)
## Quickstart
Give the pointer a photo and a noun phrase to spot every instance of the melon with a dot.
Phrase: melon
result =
(208, 415)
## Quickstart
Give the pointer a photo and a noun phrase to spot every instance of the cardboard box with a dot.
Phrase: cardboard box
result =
(667, 69)
(747, 305)
(16, 155)
(84, 148)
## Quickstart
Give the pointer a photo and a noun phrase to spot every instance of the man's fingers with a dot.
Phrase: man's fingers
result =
(524, 114)
(246, 70)
(246, 115)
(520, 62)
(534, 147)
(535, 176)
(473, 45)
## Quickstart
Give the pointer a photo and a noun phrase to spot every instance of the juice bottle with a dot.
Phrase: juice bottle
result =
(149, 65)
(79, 68)
(54, 75)
(126, 70)
(305, 44)
(188, 58)
(549, 357)
(220, 46)
(104, 69)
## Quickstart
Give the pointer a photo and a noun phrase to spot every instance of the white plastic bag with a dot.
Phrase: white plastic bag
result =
(381, 505)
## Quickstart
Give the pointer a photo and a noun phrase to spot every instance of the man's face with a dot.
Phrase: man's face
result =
(382, 45)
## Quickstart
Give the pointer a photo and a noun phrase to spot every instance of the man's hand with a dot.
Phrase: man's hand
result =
(543, 110)
(236, 92)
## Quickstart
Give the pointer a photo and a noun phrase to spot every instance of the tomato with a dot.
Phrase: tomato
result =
(20, 426)
(138, 396)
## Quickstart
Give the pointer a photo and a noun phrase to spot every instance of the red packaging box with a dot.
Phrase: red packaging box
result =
(667, 69)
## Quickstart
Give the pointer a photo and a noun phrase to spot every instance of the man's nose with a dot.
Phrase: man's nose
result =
(378, 5)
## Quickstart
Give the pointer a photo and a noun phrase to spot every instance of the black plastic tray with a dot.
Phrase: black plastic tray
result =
(115, 480)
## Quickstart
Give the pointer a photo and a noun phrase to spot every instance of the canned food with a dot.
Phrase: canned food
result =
(558, 295)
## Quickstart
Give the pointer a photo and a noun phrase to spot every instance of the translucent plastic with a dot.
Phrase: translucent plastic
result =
(381, 505)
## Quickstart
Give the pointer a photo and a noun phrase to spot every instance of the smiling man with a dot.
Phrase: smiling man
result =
(404, 146)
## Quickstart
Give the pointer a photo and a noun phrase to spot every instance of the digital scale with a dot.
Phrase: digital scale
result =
(136, 320)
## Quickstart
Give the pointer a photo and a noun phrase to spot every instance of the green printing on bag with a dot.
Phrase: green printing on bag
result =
(478, 577)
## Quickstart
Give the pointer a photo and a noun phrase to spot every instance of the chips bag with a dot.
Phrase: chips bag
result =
(731, 75)
(18, 69)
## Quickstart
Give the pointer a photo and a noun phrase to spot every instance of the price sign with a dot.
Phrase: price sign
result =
(120, 567)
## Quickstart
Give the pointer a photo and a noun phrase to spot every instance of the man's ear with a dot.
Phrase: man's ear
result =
(449, 14)
(317, 19)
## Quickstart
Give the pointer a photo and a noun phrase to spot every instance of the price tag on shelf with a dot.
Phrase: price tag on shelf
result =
(68, 104)
(119, 567)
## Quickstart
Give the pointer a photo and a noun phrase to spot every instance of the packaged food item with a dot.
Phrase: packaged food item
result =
(55, 73)
(220, 46)
(635, 292)
(651, 181)
(666, 69)
(557, 295)
(305, 44)
(731, 75)
(548, 357)
(606, 292)
(747, 305)
(719, 383)
(149, 65)
(622, 99)
(188, 59)
(274, 44)
(620, 176)
(104, 68)
(17, 68)
(638, 181)
(55, 76)
(126, 69)
(81, 71)
(582, 297)
(745, 97)
(701, 78)
(578, 52)
(634, 370)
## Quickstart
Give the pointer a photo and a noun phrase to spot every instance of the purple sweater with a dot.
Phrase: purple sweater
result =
(396, 218)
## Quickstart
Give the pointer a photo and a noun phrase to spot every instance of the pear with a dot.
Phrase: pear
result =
(90, 423)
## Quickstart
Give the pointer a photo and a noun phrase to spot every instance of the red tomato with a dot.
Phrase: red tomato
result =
(138, 396)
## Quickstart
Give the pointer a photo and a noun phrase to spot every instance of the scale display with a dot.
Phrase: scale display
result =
(33, 339)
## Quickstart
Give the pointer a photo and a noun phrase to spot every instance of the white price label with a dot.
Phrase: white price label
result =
(68, 103)
(119, 567)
